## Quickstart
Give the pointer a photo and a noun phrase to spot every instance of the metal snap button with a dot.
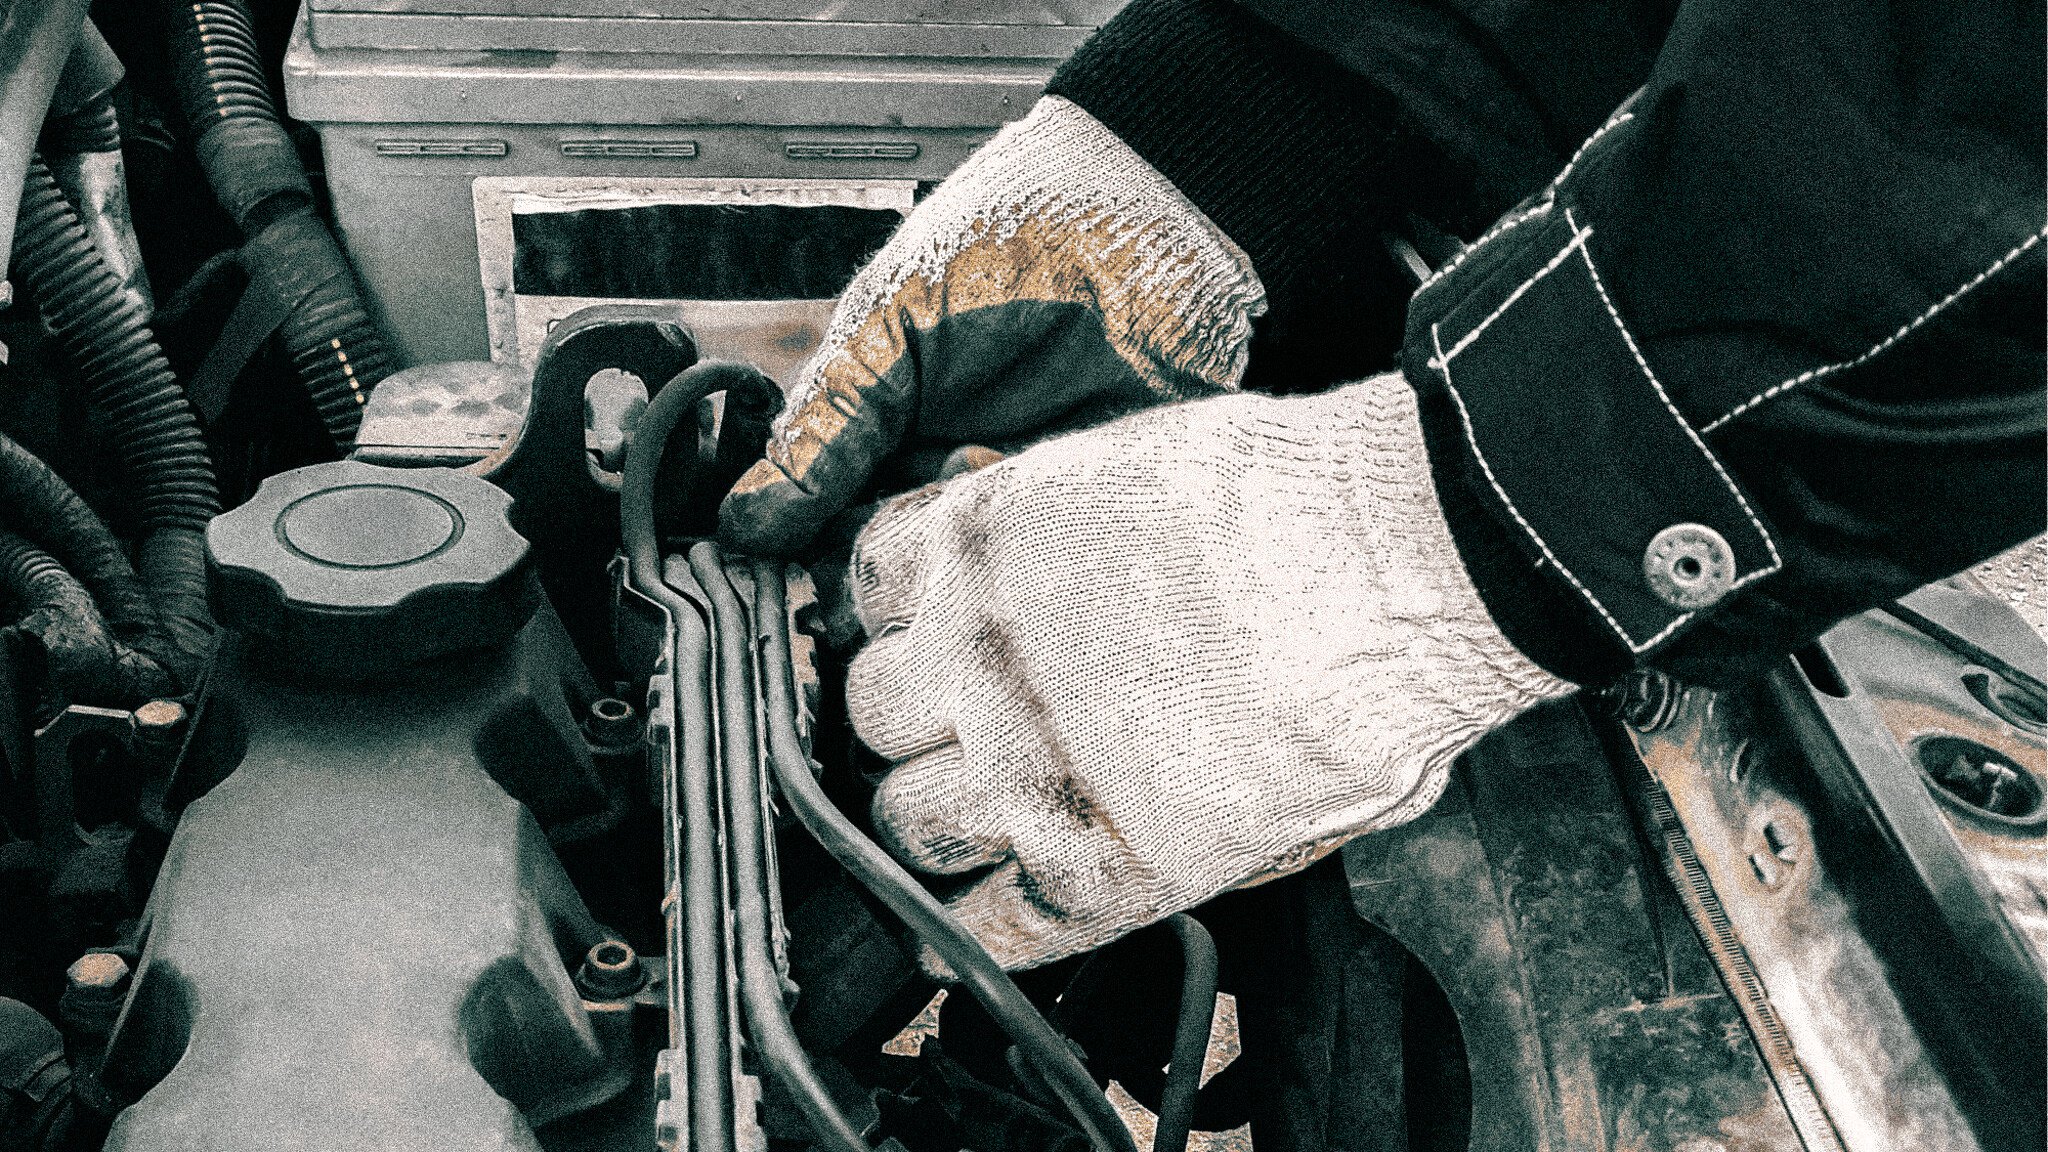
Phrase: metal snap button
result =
(1689, 566)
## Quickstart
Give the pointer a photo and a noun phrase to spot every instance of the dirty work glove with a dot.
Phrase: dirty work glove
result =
(1190, 650)
(1056, 279)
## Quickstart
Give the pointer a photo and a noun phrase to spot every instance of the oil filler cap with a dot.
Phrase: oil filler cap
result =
(353, 569)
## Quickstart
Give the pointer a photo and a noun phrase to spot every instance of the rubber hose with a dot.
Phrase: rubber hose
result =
(91, 73)
(143, 411)
(81, 657)
(96, 127)
(36, 40)
(1056, 1065)
(256, 175)
(1190, 1035)
(751, 870)
(36, 1103)
(43, 508)
(82, 146)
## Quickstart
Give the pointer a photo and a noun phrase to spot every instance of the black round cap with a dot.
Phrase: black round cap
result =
(352, 569)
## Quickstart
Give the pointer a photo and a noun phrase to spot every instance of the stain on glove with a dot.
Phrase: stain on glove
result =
(1193, 649)
(1056, 280)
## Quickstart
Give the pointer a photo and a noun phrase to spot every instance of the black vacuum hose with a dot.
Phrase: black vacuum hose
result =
(81, 657)
(96, 127)
(36, 502)
(255, 173)
(144, 414)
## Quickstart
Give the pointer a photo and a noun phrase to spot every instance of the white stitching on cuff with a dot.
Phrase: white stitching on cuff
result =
(1586, 254)
(1613, 122)
(1465, 341)
(1443, 365)
(1504, 226)
(1829, 369)
(1508, 224)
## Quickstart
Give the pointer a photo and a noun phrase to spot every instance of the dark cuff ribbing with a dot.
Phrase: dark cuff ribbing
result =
(1299, 160)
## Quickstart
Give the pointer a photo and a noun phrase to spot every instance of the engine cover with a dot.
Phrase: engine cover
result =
(358, 938)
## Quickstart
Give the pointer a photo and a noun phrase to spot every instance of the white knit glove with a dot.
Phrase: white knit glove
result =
(1190, 650)
(1054, 280)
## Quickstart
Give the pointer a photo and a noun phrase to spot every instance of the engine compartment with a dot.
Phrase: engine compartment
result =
(390, 759)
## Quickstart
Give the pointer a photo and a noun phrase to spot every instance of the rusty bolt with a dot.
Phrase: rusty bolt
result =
(160, 715)
(612, 723)
(1645, 700)
(610, 971)
(96, 973)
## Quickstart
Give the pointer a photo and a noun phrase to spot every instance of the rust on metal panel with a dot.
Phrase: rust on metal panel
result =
(1853, 1072)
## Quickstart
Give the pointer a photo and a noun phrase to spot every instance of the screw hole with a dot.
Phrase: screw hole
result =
(1980, 781)
(2007, 701)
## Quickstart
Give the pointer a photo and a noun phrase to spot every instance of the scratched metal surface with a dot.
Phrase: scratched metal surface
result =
(1824, 980)
(2021, 577)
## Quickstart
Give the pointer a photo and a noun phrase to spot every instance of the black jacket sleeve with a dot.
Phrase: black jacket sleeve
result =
(1761, 349)
(1767, 352)
(1302, 161)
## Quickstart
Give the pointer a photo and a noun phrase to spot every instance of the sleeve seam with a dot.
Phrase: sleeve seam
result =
(1881, 346)
(1543, 209)
(1443, 358)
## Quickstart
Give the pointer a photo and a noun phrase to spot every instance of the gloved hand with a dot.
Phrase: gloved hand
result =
(1196, 648)
(1054, 280)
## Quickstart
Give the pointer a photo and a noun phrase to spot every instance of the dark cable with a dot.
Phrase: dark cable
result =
(146, 417)
(1085, 1102)
(255, 173)
(760, 988)
(700, 943)
(1047, 1051)
(37, 502)
(1191, 1034)
(81, 657)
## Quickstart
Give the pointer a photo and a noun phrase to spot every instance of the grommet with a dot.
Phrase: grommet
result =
(1689, 566)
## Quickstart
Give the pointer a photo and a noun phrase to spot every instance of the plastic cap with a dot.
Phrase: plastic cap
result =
(353, 569)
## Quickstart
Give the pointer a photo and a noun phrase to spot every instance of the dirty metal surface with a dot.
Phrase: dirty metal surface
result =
(1819, 982)
(1592, 1019)
(2020, 577)
(1823, 990)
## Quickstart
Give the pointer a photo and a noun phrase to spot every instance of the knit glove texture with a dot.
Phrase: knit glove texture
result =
(1190, 650)
(1054, 280)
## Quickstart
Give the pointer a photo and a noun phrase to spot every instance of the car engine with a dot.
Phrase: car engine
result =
(391, 758)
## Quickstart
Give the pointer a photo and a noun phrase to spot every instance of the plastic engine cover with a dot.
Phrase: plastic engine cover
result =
(358, 939)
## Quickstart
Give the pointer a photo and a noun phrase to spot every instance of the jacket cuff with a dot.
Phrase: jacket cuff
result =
(1552, 421)
(1300, 161)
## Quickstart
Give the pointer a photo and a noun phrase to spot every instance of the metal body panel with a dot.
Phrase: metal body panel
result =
(1591, 1020)
(413, 106)
(477, 33)
(1080, 13)
(1894, 976)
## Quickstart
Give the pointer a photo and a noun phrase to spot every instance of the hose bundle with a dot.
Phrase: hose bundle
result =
(82, 657)
(96, 127)
(255, 173)
(145, 417)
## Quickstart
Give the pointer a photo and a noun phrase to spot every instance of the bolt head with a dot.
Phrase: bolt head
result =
(97, 971)
(160, 715)
(610, 971)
